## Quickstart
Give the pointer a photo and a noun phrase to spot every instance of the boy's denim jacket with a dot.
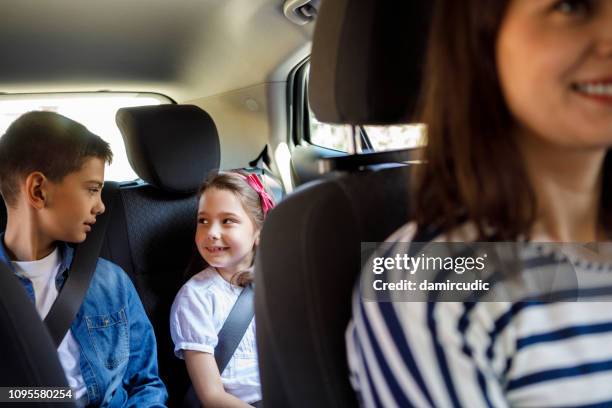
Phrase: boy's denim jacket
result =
(118, 348)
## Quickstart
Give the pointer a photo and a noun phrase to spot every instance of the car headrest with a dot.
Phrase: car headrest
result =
(367, 59)
(172, 147)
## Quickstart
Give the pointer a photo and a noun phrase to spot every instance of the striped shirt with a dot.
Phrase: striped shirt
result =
(527, 353)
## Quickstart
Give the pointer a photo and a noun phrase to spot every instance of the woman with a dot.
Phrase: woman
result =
(518, 102)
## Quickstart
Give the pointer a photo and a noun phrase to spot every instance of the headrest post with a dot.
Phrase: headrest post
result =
(354, 142)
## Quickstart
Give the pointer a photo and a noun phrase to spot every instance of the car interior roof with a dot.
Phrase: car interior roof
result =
(186, 50)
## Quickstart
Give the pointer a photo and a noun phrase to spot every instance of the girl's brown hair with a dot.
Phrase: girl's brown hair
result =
(235, 182)
(474, 170)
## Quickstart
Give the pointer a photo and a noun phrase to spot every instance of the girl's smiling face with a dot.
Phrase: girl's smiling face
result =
(225, 235)
(554, 59)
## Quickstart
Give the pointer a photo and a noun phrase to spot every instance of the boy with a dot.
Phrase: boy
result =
(51, 177)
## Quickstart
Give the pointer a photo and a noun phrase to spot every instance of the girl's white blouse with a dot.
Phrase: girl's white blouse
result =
(198, 313)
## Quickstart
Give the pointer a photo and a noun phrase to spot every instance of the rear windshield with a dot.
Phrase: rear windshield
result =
(94, 110)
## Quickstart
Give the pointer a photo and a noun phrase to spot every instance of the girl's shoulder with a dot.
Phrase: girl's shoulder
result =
(202, 280)
(202, 285)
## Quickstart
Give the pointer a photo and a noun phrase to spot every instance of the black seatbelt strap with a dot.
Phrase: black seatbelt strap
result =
(235, 327)
(70, 298)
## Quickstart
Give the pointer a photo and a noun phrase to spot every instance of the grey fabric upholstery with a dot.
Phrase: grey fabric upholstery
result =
(154, 248)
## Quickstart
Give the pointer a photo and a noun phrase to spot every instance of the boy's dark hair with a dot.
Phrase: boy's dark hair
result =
(46, 142)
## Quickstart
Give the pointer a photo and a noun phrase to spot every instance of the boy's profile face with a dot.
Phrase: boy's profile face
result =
(71, 206)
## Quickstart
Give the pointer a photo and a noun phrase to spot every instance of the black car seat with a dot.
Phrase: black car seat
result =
(151, 230)
(365, 69)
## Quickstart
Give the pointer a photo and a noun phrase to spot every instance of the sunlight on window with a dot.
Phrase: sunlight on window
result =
(396, 137)
(330, 136)
(382, 138)
(96, 111)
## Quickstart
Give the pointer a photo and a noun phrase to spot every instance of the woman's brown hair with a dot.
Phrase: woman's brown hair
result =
(234, 182)
(474, 170)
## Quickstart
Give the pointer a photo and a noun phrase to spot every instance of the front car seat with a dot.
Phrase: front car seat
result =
(365, 69)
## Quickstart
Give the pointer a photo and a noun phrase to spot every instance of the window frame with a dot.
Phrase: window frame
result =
(299, 111)
(295, 96)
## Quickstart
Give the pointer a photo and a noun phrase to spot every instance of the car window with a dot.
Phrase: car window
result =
(327, 135)
(96, 111)
(396, 137)
(381, 138)
(378, 138)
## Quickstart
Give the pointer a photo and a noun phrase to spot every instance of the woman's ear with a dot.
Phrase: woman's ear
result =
(36, 190)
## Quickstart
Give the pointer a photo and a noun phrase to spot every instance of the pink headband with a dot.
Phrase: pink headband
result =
(266, 201)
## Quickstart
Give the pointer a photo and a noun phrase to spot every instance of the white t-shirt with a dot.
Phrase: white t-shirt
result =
(42, 273)
(198, 313)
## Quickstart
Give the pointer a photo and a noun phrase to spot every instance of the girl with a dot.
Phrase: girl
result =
(518, 103)
(231, 213)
